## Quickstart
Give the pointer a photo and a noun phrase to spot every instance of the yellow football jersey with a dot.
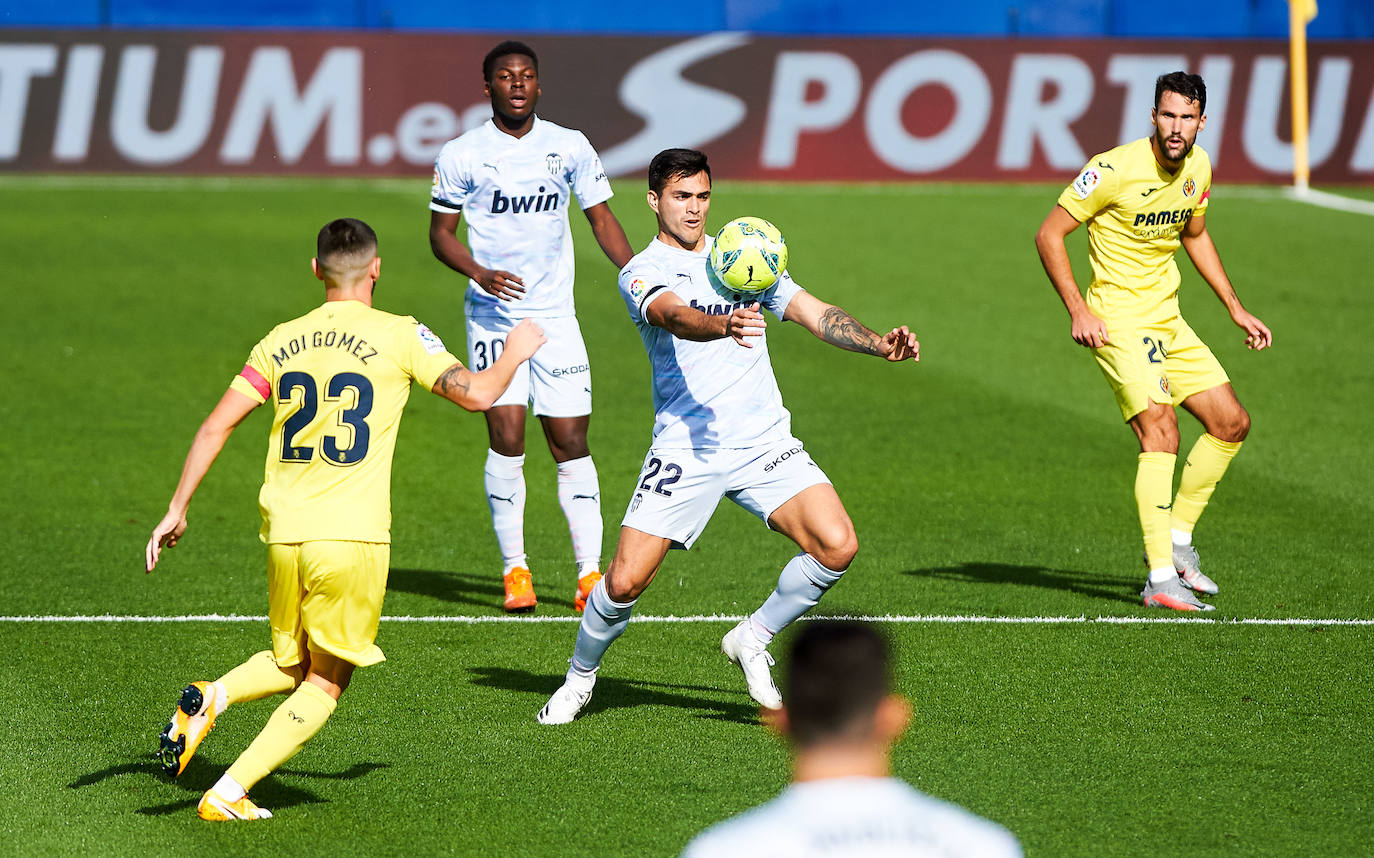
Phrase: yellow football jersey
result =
(1135, 211)
(338, 379)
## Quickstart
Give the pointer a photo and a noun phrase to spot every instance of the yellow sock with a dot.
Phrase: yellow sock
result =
(259, 677)
(298, 718)
(1206, 464)
(1154, 483)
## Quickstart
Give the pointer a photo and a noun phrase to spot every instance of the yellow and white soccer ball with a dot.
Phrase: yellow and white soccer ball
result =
(749, 254)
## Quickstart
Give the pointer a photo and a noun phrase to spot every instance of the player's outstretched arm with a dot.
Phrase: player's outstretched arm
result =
(1203, 251)
(443, 241)
(210, 438)
(835, 326)
(1084, 326)
(686, 322)
(476, 391)
(609, 234)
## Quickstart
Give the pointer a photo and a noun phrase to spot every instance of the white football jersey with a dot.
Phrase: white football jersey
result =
(514, 193)
(715, 394)
(855, 818)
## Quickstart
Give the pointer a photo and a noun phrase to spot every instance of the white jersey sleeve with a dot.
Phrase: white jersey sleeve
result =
(641, 282)
(586, 175)
(775, 298)
(452, 181)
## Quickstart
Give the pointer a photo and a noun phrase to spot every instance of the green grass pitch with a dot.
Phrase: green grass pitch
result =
(992, 479)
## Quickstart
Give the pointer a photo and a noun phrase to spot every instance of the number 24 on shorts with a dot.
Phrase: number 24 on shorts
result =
(1157, 351)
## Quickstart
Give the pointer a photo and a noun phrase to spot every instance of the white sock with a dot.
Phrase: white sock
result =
(602, 623)
(761, 632)
(504, 477)
(585, 569)
(801, 584)
(1160, 576)
(579, 494)
(221, 697)
(229, 789)
(1182, 537)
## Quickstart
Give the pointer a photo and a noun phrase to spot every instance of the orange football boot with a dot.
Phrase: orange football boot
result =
(584, 590)
(519, 590)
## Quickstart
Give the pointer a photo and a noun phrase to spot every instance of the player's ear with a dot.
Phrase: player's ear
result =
(1202, 122)
(893, 717)
(653, 201)
(315, 267)
(375, 269)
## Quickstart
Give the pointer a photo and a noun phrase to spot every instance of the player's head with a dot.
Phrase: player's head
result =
(346, 253)
(511, 74)
(680, 194)
(1178, 115)
(838, 687)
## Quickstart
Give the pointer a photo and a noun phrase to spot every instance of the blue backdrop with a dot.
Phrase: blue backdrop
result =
(1338, 19)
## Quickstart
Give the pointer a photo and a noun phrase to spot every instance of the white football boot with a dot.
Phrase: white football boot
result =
(741, 647)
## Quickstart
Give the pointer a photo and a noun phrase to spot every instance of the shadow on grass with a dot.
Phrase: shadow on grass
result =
(467, 588)
(270, 793)
(612, 693)
(1100, 586)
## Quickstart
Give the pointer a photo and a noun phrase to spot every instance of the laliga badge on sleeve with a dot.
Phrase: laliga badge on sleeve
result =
(1086, 181)
(430, 340)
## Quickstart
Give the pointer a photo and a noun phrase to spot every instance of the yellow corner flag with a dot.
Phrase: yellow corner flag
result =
(1300, 14)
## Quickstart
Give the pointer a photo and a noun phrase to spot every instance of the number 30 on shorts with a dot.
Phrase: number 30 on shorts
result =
(1155, 350)
(486, 353)
(671, 474)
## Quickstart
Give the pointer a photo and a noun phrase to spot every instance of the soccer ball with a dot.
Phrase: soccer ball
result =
(749, 254)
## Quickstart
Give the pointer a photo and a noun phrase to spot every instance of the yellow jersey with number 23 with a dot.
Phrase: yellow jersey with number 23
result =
(338, 379)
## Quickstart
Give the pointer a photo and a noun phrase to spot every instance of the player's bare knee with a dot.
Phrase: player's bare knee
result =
(838, 550)
(1237, 427)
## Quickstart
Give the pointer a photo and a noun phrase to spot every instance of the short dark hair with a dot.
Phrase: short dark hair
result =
(345, 244)
(505, 49)
(837, 674)
(1190, 86)
(676, 164)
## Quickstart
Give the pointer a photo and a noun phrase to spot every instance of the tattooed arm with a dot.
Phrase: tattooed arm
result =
(835, 326)
(476, 391)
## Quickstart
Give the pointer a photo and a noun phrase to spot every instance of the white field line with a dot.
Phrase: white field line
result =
(933, 619)
(1330, 201)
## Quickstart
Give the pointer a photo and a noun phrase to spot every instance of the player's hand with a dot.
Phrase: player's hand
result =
(167, 533)
(502, 284)
(745, 322)
(1257, 335)
(525, 339)
(900, 344)
(1088, 330)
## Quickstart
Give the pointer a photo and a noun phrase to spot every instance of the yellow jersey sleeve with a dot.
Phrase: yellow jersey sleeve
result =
(423, 354)
(1093, 190)
(254, 380)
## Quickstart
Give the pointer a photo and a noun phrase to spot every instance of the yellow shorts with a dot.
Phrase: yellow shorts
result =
(1164, 363)
(326, 596)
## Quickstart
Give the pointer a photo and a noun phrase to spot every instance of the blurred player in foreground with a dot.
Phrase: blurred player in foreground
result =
(1141, 201)
(513, 177)
(338, 379)
(720, 430)
(842, 720)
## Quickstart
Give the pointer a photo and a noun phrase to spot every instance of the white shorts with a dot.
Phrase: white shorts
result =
(557, 380)
(679, 488)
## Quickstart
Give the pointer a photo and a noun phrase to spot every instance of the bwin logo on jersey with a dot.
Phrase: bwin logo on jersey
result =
(555, 163)
(717, 309)
(540, 202)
